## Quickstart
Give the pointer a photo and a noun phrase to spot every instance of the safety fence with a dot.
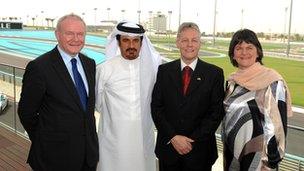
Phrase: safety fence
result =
(10, 85)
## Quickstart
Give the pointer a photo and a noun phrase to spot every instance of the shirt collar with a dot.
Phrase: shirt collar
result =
(192, 65)
(66, 57)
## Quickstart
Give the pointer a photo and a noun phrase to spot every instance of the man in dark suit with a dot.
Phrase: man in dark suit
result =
(57, 103)
(187, 107)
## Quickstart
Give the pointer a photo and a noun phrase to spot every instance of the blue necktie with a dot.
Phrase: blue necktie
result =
(79, 84)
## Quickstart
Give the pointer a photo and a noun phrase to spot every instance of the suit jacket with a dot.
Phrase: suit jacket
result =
(63, 135)
(196, 115)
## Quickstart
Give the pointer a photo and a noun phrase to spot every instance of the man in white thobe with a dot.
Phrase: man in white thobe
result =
(123, 94)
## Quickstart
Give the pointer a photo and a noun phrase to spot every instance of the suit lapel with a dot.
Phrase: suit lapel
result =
(176, 76)
(197, 77)
(90, 78)
(63, 73)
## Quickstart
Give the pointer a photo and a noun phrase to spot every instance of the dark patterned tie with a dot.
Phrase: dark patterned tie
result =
(186, 78)
(79, 84)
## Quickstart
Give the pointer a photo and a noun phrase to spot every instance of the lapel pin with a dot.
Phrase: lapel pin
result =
(198, 79)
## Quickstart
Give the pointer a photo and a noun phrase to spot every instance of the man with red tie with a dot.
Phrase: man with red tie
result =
(187, 107)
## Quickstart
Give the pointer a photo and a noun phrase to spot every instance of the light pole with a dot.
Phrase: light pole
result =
(52, 20)
(289, 28)
(150, 22)
(242, 17)
(169, 23)
(42, 18)
(138, 11)
(214, 21)
(95, 18)
(108, 9)
(169, 28)
(47, 22)
(285, 20)
(33, 18)
(180, 12)
(27, 20)
(83, 14)
(123, 14)
(158, 23)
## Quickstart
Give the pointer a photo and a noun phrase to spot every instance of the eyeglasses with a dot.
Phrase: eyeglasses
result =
(71, 35)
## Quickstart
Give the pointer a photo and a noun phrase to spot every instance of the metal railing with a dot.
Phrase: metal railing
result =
(10, 84)
(292, 162)
(289, 163)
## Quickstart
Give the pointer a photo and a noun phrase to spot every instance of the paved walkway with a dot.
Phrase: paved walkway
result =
(13, 151)
(13, 60)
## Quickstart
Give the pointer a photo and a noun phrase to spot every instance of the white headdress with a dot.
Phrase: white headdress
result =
(149, 61)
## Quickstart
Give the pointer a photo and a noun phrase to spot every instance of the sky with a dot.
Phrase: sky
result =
(269, 16)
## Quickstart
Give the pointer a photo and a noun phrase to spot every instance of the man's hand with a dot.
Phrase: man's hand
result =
(182, 144)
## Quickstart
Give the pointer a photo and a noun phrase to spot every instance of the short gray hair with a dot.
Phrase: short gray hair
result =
(72, 15)
(187, 25)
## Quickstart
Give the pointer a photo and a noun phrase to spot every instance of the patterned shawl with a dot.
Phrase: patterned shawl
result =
(257, 77)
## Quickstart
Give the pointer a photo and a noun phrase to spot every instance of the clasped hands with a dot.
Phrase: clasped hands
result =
(182, 144)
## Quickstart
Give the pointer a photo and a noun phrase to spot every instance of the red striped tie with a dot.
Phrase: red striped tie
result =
(186, 78)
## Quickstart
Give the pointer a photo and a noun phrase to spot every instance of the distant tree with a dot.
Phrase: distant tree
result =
(297, 37)
(281, 36)
(52, 21)
(33, 18)
(47, 21)
(261, 34)
(267, 37)
(229, 34)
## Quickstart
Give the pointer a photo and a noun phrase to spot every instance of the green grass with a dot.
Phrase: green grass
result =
(292, 72)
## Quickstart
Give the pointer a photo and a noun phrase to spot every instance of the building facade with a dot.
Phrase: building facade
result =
(11, 25)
